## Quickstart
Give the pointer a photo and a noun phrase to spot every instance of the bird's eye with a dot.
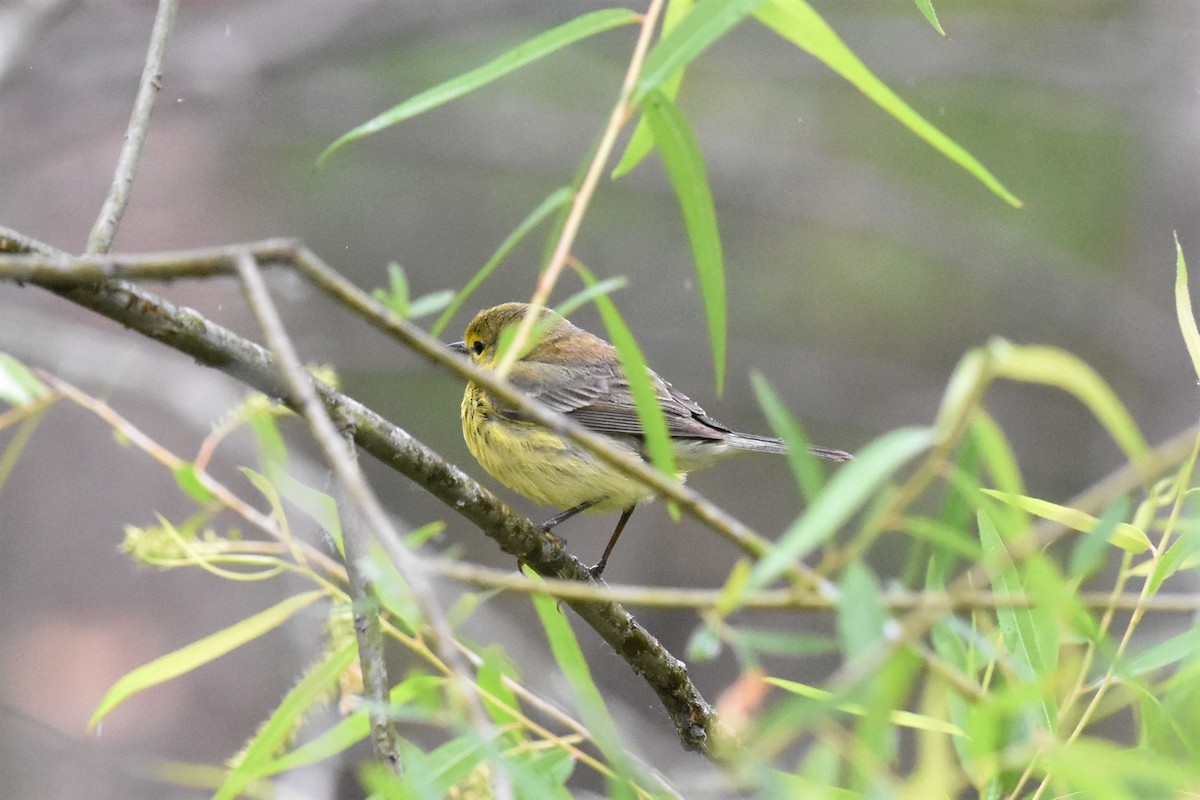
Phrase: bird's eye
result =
(477, 346)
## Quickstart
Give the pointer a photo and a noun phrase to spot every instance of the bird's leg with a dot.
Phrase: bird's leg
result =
(612, 542)
(565, 515)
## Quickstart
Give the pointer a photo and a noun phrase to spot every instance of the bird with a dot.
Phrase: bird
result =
(578, 374)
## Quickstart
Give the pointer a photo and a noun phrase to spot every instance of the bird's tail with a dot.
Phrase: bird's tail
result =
(769, 444)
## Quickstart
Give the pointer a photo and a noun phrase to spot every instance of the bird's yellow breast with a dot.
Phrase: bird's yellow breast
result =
(540, 464)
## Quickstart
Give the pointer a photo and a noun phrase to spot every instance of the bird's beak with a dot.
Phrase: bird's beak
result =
(458, 347)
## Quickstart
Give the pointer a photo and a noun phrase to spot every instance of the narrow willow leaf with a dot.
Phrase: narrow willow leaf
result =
(805, 468)
(271, 447)
(1051, 366)
(189, 482)
(704, 644)
(943, 536)
(1088, 554)
(1099, 770)
(1124, 535)
(1017, 625)
(570, 659)
(645, 399)
(427, 304)
(557, 199)
(926, 8)
(851, 486)
(783, 643)
(538, 47)
(589, 294)
(905, 719)
(19, 386)
(318, 505)
(395, 297)
(356, 726)
(706, 23)
(274, 734)
(1183, 309)
(642, 141)
(499, 700)
(861, 613)
(201, 652)
(1164, 654)
(797, 22)
(997, 453)
(685, 168)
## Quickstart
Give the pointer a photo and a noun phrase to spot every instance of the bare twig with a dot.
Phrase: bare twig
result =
(105, 228)
(608, 139)
(787, 599)
(355, 539)
(218, 490)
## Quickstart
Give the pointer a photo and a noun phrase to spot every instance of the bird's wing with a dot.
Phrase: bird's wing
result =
(598, 397)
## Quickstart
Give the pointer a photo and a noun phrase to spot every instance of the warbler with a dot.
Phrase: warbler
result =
(578, 374)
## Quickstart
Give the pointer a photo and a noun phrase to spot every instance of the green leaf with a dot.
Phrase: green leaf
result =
(274, 734)
(1124, 535)
(1164, 654)
(706, 23)
(271, 447)
(1100, 770)
(997, 453)
(1017, 625)
(1089, 551)
(500, 701)
(356, 726)
(570, 659)
(797, 22)
(805, 467)
(19, 386)
(1051, 366)
(189, 482)
(851, 486)
(538, 47)
(926, 8)
(704, 644)
(1183, 309)
(557, 199)
(783, 643)
(685, 168)
(861, 613)
(395, 297)
(642, 141)
(588, 295)
(317, 505)
(426, 304)
(645, 398)
(201, 652)
(905, 719)
(941, 535)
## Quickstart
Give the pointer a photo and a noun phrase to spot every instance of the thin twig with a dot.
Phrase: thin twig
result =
(787, 599)
(105, 228)
(174, 463)
(355, 540)
(608, 139)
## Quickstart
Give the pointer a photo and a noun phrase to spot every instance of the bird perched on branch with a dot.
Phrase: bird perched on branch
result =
(577, 374)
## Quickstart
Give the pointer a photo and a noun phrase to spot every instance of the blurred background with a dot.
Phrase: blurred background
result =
(861, 266)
